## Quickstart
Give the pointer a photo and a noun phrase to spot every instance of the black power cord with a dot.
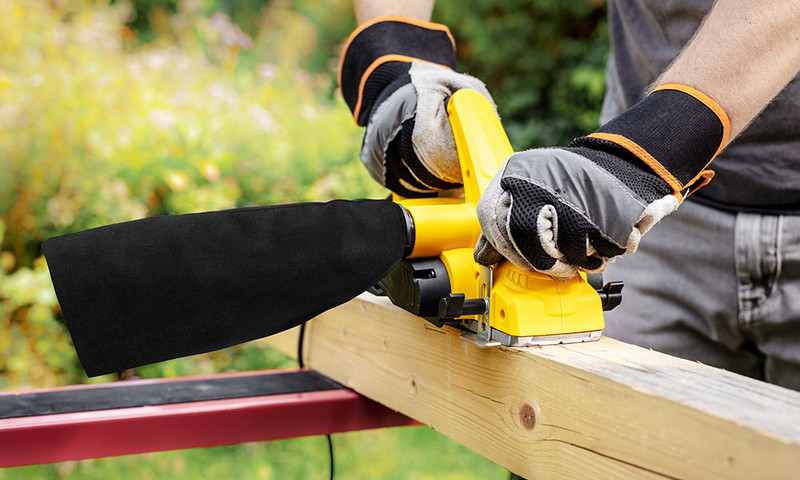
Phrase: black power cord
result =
(300, 345)
(330, 452)
(302, 365)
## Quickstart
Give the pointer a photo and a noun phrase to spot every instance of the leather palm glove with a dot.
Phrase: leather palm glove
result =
(396, 75)
(560, 210)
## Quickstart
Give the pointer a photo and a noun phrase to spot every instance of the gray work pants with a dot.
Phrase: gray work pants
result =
(718, 287)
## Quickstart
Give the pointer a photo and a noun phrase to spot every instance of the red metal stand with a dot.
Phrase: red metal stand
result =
(120, 431)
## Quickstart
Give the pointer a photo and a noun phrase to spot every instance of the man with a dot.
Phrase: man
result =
(719, 279)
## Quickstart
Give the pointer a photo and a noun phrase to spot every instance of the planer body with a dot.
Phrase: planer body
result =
(502, 304)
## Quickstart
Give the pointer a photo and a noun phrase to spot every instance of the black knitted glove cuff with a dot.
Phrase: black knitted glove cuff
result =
(379, 54)
(674, 133)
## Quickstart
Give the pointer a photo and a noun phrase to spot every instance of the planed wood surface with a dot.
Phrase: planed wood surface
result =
(604, 409)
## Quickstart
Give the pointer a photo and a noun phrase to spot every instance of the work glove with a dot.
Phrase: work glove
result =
(396, 75)
(561, 210)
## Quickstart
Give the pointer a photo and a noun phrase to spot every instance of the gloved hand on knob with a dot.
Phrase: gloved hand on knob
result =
(561, 210)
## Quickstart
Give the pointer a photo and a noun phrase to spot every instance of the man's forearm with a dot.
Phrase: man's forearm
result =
(742, 56)
(366, 10)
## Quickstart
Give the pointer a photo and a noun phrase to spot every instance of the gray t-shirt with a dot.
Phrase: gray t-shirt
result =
(760, 170)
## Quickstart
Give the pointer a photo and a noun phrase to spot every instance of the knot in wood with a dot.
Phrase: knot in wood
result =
(413, 385)
(527, 416)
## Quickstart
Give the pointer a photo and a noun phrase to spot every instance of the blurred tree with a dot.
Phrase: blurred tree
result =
(141, 20)
(543, 60)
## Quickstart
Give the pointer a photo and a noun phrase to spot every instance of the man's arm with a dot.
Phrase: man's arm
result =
(578, 207)
(565, 209)
(742, 56)
(366, 10)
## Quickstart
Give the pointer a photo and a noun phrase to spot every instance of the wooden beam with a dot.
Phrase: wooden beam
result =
(596, 410)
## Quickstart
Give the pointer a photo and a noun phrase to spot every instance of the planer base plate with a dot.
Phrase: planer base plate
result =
(500, 338)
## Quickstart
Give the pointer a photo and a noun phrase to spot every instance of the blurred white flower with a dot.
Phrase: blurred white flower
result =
(60, 211)
(230, 34)
(220, 91)
(162, 119)
(177, 181)
(263, 119)
(309, 113)
(124, 137)
(157, 59)
(7, 113)
(210, 171)
(267, 71)
(190, 6)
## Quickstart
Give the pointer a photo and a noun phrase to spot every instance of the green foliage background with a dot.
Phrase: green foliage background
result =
(542, 60)
(111, 111)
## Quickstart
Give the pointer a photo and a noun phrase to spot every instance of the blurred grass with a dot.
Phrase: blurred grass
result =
(98, 126)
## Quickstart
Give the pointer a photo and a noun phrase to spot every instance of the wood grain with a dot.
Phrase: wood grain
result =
(604, 409)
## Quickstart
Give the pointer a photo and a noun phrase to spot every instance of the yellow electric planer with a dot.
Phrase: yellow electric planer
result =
(503, 304)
